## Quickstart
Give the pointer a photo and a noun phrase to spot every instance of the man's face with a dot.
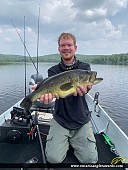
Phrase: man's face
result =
(67, 49)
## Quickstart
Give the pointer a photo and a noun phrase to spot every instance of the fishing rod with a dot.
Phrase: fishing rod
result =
(24, 45)
(25, 60)
(38, 37)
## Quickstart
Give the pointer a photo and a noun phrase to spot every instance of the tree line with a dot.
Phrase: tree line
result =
(115, 59)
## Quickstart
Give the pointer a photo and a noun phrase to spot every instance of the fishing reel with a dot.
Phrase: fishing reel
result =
(96, 101)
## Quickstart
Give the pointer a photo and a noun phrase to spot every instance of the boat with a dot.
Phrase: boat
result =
(23, 138)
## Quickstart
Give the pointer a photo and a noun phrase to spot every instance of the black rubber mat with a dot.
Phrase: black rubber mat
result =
(21, 153)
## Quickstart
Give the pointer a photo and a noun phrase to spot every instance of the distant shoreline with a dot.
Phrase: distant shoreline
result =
(114, 59)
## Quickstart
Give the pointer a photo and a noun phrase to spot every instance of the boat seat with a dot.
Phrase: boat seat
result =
(36, 78)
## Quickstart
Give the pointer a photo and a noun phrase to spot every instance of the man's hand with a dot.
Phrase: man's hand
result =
(46, 98)
(81, 90)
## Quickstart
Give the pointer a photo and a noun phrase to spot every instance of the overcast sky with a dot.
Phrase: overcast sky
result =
(100, 26)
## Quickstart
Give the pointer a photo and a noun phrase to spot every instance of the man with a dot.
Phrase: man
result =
(71, 123)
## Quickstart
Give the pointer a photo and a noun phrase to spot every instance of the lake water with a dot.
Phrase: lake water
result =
(113, 89)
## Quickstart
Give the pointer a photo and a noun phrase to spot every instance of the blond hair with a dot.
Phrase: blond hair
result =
(67, 36)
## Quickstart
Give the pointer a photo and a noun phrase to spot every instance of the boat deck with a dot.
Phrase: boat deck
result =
(21, 153)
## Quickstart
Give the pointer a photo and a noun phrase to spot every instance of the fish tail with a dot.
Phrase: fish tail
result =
(26, 103)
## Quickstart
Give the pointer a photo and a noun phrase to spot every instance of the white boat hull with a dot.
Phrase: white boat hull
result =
(101, 122)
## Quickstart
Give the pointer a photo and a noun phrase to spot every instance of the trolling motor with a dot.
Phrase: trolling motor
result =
(21, 128)
(19, 117)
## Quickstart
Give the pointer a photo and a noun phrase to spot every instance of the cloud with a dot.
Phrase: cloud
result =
(95, 23)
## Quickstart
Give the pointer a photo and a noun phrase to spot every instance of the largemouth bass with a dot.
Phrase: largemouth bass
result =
(64, 84)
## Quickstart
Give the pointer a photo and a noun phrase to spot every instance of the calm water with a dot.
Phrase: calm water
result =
(113, 89)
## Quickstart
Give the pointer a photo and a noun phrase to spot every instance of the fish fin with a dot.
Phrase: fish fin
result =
(97, 80)
(66, 86)
(26, 104)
